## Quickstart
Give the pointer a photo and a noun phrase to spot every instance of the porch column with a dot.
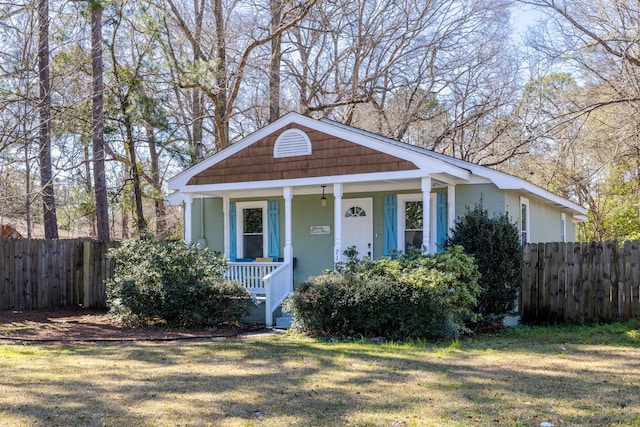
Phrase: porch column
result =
(451, 208)
(426, 215)
(337, 223)
(225, 226)
(188, 204)
(288, 246)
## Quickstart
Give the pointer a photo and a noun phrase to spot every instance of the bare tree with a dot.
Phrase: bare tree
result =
(598, 43)
(439, 74)
(225, 51)
(44, 107)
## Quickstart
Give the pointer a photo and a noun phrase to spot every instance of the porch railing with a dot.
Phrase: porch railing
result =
(271, 280)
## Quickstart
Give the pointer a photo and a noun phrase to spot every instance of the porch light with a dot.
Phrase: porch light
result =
(323, 199)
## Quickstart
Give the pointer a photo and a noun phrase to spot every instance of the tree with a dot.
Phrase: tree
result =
(496, 246)
(44, 107)
(97, 129)
(597, 43)
(223, 53)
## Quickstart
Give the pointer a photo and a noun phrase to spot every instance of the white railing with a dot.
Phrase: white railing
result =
(271, 280)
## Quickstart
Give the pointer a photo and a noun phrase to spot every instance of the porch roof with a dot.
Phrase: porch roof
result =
(374, 163)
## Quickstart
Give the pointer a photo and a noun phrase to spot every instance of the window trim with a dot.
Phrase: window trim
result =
(240, 207)
(563, 227)
(527, 221)
(402, 216)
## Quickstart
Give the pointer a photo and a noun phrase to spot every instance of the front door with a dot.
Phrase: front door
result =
(357, 226)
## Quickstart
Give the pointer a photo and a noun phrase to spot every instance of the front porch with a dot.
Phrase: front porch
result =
(270, 282)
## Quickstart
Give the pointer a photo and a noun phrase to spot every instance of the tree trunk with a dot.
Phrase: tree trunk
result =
(222, 121)
(197, 153)
(44, 107)
(276, 57)
(141, 224)
(97, 129)
(160, 208)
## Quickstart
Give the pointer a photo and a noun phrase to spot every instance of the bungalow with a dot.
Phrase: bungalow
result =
(285, 202)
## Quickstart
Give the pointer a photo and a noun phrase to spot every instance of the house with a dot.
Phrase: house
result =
(285, 202)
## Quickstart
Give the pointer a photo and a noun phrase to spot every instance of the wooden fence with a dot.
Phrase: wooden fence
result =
(580, 282)
(53, 273)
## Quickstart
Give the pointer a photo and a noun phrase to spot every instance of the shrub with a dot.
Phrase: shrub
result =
(496, 246)
(174, 282)
(407, 297)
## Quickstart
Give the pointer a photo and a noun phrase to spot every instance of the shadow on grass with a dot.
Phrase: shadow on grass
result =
(287, 381)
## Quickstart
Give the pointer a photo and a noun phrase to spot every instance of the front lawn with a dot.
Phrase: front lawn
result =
(565, 376)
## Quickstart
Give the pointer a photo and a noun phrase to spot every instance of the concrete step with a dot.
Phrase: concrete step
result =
(284, 322)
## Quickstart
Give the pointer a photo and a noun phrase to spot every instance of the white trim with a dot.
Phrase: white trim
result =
(402, 216)
(240, 206)
(287, 193)
(451, 209)
(188, 207)
(426, 214)
(337, 223)
(527, 221)
(563, 227)
(225, 220)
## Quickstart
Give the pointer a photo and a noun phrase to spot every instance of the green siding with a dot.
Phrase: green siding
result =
(545, 220)
(313, 253)
(213, 223)
(468, 196)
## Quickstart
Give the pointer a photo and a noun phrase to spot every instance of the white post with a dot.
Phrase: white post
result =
(426, 215)
(451, 208)
(188, 204)
(288, 246)
(225, 221)
(337, 223)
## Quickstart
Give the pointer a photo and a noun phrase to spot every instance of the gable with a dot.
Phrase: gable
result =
(329, 156)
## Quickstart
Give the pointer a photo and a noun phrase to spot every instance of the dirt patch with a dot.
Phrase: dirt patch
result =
(78, 324)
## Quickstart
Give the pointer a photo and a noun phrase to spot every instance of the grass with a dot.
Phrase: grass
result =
(578, 376)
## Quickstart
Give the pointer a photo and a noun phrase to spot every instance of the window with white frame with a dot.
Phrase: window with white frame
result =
(563, 227)
(251, 221)
(525, 220)
(410, 221)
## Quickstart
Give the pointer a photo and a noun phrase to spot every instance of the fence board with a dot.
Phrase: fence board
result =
(634, 279)
(580, 282)
(52, 273)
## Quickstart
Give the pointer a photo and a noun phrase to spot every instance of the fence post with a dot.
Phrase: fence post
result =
(87, 267)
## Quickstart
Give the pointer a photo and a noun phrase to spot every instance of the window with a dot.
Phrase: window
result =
(251, 226)
(563, 228)
(413, 225)
(354, 212)
(524, 220)
(410, 221)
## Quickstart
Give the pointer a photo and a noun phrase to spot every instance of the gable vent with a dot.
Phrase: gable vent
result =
(292, 142)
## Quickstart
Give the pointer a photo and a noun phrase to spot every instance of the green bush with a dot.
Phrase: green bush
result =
(496, 246)
(173, 282)
(407, 297)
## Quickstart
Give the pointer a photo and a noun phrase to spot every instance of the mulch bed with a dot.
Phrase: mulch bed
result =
(77, 324)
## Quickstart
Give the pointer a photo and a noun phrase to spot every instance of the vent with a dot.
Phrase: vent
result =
(292, 142)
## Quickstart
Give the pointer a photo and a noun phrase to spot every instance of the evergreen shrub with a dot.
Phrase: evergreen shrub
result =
(410, 296)
(173, 282)
(495, 243)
